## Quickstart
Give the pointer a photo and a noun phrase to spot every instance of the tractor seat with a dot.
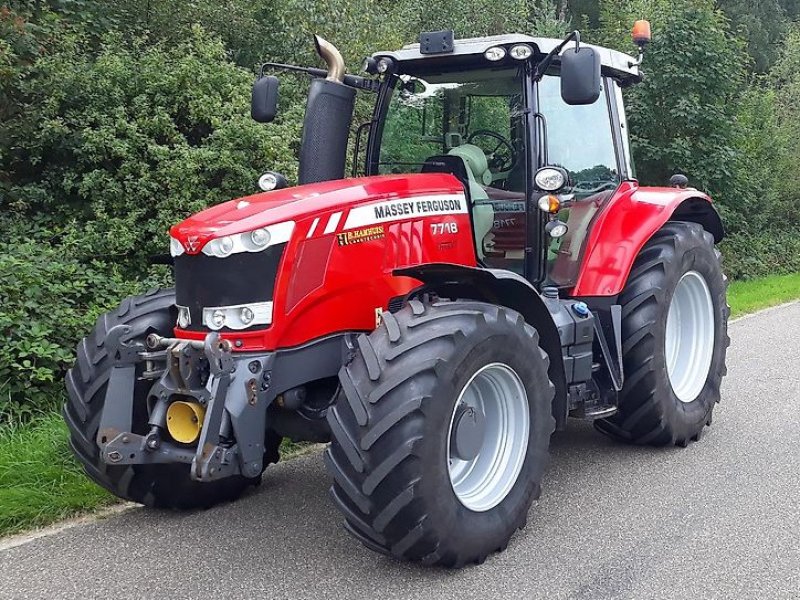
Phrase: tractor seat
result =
(478, 176)
(464, 162)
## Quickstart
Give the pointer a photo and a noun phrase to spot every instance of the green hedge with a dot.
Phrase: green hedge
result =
(48, 301)
(120, 145)
(115, 147)
(119, 119)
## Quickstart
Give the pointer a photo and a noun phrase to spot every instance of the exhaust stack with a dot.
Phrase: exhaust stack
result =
(332, 57)
(326, 126)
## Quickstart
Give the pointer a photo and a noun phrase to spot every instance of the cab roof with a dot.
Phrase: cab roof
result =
(615, 64)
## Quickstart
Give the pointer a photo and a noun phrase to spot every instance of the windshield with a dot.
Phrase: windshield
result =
(432, 116)
(477, 116)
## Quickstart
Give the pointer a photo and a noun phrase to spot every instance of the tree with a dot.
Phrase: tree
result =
(761, 24)
(115, 148)
(682, 116)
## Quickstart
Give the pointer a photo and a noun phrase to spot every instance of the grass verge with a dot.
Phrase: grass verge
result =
(40, 483)
(750, 296)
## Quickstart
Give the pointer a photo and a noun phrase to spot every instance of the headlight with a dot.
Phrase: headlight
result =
(521, 52)
(217, 320)
(268, 182)
(240, 316)
(556, 229)
(260, 237)
(495, 53)
(221, 247)
(175, 247)
(550, 179)
(184, 317)
(225, 245)
(250, 241)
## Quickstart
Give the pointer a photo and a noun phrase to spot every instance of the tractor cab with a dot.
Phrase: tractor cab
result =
(494, 111)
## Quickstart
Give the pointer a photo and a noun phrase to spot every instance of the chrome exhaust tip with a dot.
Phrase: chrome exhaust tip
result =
(332, 57)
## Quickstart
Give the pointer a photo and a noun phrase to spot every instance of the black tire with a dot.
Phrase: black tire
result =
(389, 429)
(165, 485)
(649, 411)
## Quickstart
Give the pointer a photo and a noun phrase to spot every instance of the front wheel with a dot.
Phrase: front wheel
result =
(440, 432)
(674, 339)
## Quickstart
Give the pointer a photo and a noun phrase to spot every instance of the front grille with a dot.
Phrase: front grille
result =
(203, 281)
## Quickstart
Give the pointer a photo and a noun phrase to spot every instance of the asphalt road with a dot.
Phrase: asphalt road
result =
(719, 519)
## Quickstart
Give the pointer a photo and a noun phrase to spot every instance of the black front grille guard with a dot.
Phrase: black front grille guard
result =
(205, 371)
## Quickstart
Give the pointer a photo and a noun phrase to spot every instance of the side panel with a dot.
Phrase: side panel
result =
(625, 225)
(336, 278)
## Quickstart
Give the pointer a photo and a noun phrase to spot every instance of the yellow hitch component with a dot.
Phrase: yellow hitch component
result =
(184, 421)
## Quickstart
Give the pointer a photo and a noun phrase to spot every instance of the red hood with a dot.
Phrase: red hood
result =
(268, 208)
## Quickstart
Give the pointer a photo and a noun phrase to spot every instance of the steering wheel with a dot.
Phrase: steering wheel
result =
(502, 158)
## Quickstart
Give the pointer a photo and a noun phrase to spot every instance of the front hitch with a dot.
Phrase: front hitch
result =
(201, 372)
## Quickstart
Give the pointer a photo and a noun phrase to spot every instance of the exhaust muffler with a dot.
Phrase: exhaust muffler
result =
(326, 126)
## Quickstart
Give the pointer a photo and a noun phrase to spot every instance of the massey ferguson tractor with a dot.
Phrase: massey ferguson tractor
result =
(490, 268)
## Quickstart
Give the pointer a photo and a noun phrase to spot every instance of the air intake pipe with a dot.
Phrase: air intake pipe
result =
(326, 127)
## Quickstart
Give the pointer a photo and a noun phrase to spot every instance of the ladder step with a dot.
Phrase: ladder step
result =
(594, 411)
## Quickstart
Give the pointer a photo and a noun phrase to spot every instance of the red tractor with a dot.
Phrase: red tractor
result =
(491, 268)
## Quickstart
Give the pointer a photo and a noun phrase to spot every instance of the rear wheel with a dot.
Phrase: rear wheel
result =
(440, 432)
(674, 339)
(160, 485)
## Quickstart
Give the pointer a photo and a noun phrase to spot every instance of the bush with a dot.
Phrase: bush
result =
(759, 254)
(48, 301)
(121, 146)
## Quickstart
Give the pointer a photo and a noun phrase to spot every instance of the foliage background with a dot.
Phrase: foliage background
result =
(119, 118)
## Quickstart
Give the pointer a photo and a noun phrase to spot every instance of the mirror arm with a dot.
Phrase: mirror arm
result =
(354, 81)
(545, 63)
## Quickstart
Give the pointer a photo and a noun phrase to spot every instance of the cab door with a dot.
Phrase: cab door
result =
(585, 141)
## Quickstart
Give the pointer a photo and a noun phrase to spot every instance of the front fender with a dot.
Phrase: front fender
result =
(625, 225)
(505, 288)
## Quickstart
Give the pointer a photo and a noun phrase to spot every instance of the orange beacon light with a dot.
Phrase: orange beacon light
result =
(641, 32)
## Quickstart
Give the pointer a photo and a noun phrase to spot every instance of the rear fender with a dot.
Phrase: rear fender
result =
(497, 286)
(625, 225)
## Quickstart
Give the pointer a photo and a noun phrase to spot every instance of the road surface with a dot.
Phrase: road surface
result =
(719, 519)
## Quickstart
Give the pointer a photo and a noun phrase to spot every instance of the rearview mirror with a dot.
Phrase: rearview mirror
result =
(264, 101)
(580, 76)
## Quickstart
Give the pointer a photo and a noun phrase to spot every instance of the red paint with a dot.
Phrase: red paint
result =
(349, 282)
(623, 226)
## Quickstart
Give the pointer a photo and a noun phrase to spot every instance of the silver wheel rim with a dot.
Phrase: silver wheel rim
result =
(484, 481)
(689, 343)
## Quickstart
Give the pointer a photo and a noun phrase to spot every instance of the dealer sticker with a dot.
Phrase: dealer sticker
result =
(360, 235)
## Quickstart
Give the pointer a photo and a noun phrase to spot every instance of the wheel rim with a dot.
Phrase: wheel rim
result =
(689, 344)
(495, 393)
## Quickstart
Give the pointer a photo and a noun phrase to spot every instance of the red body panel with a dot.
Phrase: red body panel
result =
(336, 270)
(620, 230)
